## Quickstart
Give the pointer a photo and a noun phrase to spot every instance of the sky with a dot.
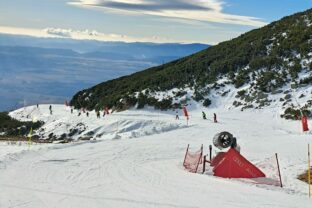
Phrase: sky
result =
(185, 21)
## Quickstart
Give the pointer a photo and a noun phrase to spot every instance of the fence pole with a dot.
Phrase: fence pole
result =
(210, 152)
(186, 153)
(279, 172)
(204, 164)
(309, 171)
(200, 158)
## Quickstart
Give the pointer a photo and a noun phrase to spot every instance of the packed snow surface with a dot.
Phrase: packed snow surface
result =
(135, 160)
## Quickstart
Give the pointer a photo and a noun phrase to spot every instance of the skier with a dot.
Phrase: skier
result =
(104, 113)
(204, 115)
(37, 105)
(87, 113)
(98, 114)
(106, 110)
(71, 111)
(215, 118)
(177, 115)
(50, 108)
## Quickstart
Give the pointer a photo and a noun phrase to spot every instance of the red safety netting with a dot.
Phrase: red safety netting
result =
(269, 167)
(193, 159)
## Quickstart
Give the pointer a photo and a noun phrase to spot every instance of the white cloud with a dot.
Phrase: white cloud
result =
(199, 10)
(81, 35)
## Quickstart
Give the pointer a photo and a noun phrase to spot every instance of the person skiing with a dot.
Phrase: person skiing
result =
(98, 114)
(177, 115)
(87, 113)
(71, 111)
(215, 118)
(50, 108)
(106, 110)
(204, 115)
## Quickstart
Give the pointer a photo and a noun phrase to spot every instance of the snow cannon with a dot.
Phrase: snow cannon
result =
(224, 140)
(230, 163)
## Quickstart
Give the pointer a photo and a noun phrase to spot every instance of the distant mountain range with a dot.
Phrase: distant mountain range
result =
(136, 50)
(50, 70)
(270, 66)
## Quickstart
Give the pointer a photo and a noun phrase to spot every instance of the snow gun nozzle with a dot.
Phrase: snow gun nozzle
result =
(224, 140)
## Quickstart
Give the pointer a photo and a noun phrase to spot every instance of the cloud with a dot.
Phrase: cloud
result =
(58, 32)
(152, 6)
(196, 10)
(76, 34)
(81, 35)
(95, 35)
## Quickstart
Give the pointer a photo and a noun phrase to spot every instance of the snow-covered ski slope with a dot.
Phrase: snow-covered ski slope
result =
(136, 161)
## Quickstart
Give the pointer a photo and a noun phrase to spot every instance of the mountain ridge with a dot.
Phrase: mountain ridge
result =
(266, 59)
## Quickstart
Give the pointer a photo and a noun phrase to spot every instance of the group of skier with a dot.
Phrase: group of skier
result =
(214, 117)
(83, 110)
(203, 114)
(97, 112)
(106, 112)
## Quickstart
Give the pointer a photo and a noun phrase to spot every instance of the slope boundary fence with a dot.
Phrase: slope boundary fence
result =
(193, 159)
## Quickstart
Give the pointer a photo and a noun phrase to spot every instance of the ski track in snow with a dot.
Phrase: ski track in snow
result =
(143, 168)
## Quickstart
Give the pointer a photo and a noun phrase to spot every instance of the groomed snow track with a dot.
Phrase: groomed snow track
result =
(146, 171)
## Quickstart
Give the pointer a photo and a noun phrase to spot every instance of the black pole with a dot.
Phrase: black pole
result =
(204, 164)
(210, 150)
(279, 172)
(185, 153)
(201, 155)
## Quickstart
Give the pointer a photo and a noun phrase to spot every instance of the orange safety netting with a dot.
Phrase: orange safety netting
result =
(192, 160)
(269, 167)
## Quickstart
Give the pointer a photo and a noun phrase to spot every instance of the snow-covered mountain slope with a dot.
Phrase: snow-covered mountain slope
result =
(272, 60)
(143, 168)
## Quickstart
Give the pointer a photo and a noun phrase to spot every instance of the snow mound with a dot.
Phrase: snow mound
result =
(63, 124)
